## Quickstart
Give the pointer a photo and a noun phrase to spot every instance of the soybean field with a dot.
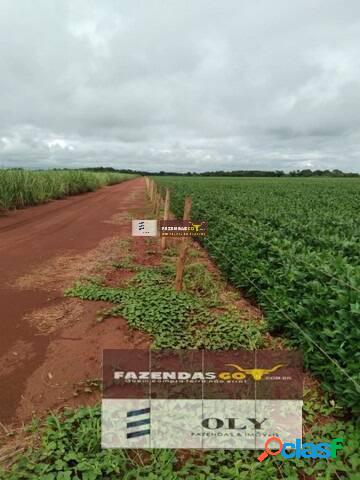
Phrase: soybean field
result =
(294, 246)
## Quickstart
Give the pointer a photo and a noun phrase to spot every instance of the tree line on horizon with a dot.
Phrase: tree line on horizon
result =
(216, 173)
(234, 173)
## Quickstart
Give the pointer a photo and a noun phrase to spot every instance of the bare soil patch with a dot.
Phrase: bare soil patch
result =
(51, 343)
(74, 359)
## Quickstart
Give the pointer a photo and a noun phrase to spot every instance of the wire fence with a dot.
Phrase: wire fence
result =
(280, 310)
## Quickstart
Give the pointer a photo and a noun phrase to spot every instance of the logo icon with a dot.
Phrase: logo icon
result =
(182, 228)
(144, 228)
(302, 450)
(138, 423)
(256, 373)
(196, 226)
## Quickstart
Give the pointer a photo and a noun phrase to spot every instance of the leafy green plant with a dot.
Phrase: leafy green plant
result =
(198, 280)
(231, 332)
(317, 405)
(127, 263)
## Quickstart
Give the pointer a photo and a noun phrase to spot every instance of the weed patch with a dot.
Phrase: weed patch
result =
(198, 280)
(149, 303)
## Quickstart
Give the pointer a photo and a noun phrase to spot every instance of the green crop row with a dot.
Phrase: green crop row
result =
(294, 246)
(20, 188)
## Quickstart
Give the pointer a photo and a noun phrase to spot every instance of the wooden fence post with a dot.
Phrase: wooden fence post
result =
(158, 205)
(166, 216)
(151, 187)
(180, 265)
(155, 197)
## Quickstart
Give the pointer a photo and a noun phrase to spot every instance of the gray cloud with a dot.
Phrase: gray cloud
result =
(180, 85)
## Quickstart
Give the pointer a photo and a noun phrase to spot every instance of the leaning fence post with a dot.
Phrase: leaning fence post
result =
(180, 265)
(166, 216)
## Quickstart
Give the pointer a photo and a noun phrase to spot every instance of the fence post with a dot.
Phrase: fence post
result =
(158, 205)
(166, 216)
(151, 188)
(155, 197)
(180, 265)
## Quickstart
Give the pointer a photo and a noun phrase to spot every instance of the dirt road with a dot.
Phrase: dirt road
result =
(42, 250)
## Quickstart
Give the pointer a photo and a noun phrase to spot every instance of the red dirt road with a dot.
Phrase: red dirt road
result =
(35, 245)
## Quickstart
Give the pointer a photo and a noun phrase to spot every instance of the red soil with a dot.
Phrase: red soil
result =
(49, 345)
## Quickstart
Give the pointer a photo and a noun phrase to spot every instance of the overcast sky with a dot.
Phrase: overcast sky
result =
(180, 84)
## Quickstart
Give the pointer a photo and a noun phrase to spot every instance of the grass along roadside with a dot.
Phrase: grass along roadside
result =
(67, 444)
(21, 188)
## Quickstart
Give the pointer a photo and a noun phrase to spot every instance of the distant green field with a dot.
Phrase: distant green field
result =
(20, 188)
(294, 245)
